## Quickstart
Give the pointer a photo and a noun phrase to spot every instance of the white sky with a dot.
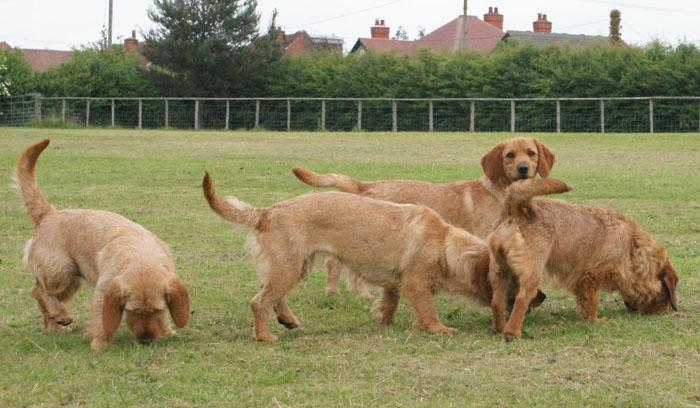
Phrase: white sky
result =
(62, 24)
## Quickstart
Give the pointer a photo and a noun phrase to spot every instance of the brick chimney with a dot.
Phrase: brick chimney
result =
(380, 31)
(542, 25)
(131, 43)
(493, 18)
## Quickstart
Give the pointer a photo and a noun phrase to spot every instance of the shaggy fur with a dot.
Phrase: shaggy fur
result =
(472, 205)
(585, 249)
(404, 249)
(130, 268)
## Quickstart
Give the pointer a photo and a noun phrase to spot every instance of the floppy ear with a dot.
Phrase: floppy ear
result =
(546, 159)
(670, 280)
(492, 163)
(480, 280)
(113, 307)
(178, 300)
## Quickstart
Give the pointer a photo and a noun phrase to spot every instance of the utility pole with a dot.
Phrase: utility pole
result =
(109, 35)
(464, 26)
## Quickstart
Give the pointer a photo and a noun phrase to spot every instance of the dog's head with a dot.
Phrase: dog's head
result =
(517, 159)
(665, 298)
(146, 302)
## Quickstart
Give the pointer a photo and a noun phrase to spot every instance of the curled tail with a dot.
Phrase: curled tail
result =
(230, 208)
(343, 183)
(34, 201)
(521, 192)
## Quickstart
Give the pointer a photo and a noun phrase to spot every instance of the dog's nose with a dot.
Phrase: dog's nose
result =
(146, 338)
(523, 169)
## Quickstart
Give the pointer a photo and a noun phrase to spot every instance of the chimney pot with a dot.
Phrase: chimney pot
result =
(382, 23)
(133, 33)
(490, 10)
(379, 31)
(544, 17)
(495, 10)
(493, 18)
(376, 21)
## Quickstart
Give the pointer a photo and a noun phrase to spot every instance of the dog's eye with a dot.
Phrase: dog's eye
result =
(510, 155)
(531, 153)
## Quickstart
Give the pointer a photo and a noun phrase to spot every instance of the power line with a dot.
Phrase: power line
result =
(619, 3)
(349, 14)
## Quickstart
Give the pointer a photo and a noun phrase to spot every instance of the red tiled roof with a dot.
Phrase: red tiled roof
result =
(481, 36)
(41, 60)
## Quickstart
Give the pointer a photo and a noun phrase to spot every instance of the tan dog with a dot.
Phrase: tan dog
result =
(405, 249)
(472, 205)
(586, 249)
(130, 268)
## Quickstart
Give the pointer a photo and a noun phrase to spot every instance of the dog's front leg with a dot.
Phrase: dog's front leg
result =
(384, 307)
(417, 290)
(586, 295)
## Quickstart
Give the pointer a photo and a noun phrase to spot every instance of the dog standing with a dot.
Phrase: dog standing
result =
(474, 205)
(130, 268)
(586, 249)
(404, 249)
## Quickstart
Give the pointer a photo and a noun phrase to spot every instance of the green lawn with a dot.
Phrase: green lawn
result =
(339, 356)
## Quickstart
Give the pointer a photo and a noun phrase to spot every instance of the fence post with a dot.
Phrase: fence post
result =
(323, 114)
(166, 113)
(602, 116)
(472, 125)
(651, 116)
(512, 116)
(430, 118)
(394, 125)
(558, 116)
(359, 115)
(257, 112)
(228, 109)
(63, 111)
(87, 112)
(37, 108)
(289, 115)
(196, 114)
(140, 114)
(112, 112)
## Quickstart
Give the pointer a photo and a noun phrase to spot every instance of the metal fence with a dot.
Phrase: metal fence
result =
(641, 114)
(18, 110)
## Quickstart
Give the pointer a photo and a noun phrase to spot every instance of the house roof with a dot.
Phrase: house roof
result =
(41, 60)
(481, 36)
(301, 41)
(544, 39)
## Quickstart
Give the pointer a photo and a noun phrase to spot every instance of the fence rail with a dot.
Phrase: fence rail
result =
(613, 114)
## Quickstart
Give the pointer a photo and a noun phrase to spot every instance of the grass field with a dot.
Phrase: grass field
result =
(339, 356)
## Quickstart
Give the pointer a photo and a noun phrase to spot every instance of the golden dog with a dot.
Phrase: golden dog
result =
(130, 268)
(585, 249)
(405, 249)
(472, 205)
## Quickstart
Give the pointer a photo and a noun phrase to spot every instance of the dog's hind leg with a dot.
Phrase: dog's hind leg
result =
(419, 293)
(529, 284)
(55, 282)
(384, 307)
(285, 317)
(586, 295)
(334, 267)
(281, 278)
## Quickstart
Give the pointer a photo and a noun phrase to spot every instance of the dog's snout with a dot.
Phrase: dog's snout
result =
(145, 338)
(523, 168)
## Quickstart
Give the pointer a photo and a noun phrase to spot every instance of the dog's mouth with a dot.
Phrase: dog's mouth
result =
(630, 307)
(523, 176)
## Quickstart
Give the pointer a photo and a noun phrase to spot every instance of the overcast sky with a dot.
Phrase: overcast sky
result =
(63, 24)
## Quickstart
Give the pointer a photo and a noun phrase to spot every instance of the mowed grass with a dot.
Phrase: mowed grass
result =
(339, 356)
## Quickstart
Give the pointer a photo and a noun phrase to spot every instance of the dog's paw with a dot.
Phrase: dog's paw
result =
(265, 337)
(510, 336)
(442, 329)
(289, 325)
(51, 326)
(168, 331)
(98, 344)
(364, 294)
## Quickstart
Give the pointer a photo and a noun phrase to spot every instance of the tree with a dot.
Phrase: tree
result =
(615, 27)
(211, 47)
(421, 32)
(401, 34)
(16, 76)
(4, 78)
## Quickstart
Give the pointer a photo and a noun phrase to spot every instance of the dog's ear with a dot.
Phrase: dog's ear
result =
(492, 163)
(178, 299)
(546, 159)
(113, 307)
(480, 280)
(670, 280)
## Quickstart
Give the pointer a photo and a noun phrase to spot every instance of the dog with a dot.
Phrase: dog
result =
(404, 249)
(585, 249)
(129, 267)
(472, 205)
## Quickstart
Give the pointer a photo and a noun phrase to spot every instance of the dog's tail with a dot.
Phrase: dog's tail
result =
(521, 192)
(343, 183)
(34, 201)
(230, 208)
